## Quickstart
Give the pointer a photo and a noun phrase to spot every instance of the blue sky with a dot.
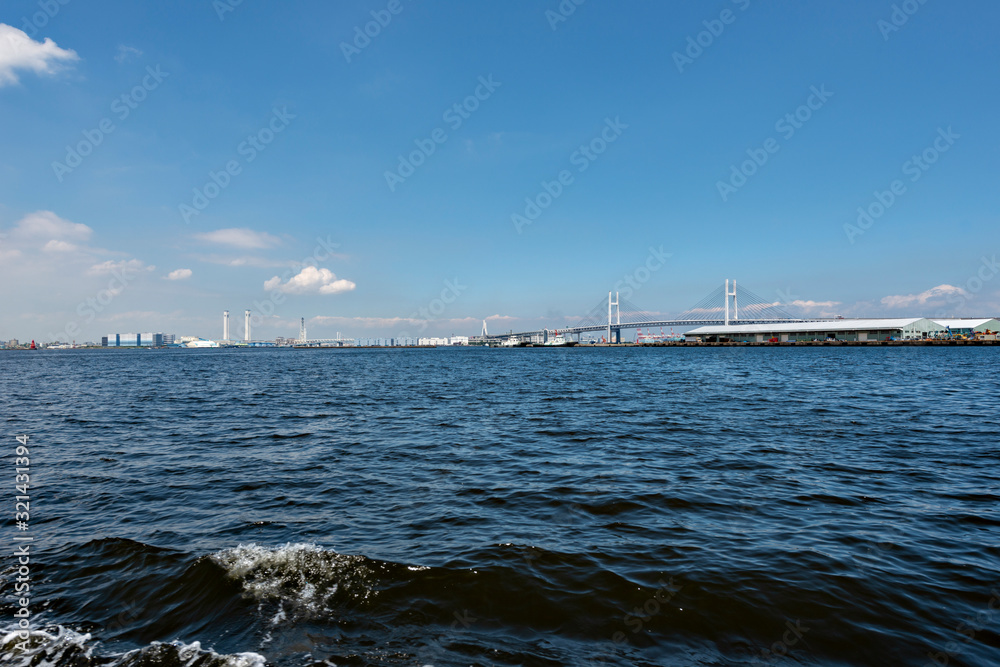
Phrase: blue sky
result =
(310, 118)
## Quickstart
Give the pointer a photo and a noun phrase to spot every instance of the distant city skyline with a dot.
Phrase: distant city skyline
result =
(391, 169)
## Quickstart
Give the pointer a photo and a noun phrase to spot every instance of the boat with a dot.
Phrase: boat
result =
(512, 341)
(559, 340)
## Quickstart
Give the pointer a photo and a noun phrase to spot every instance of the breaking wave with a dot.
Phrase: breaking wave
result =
(63, 647)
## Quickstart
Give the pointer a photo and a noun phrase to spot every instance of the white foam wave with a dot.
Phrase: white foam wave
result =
(188, 655)
(301, 579)
(68, 648)
(44, 649)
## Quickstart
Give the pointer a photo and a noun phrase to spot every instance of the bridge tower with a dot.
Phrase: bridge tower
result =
(302, 329)
(736, 310)
(618, 318)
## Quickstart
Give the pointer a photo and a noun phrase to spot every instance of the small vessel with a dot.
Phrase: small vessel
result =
(559, 340)
(512, 341)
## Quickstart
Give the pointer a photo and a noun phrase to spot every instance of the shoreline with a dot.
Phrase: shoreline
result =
(811, 343)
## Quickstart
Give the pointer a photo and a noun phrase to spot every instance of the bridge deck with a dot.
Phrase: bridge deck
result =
(644, 325)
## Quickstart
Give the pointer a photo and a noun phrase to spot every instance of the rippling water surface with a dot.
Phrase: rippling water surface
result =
(721, 506)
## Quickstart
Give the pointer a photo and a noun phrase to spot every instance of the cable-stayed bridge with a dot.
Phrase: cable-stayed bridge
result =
(729, 304)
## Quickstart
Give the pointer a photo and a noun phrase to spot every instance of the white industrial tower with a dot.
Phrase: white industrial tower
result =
(246, 326)
(225, 325)
(302, 329)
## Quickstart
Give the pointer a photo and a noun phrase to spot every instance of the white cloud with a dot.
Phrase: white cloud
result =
(47, 225)
(179, 274)
(121, 267)
(126, 53)
(311, 279)
(56, 245)
(367, 322)
(20, 52)
(810, 304)
(240, 237)
(246, 260)
(934, 295)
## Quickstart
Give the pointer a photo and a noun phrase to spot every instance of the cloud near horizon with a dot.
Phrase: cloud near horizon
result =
(311, 279)
(20, 52)
(49, 226)
(799, 303)
(240, 237)
(111, 267)
(126, 53)
(48, 240)
(934, 295)
(393, 322)
(179, 274)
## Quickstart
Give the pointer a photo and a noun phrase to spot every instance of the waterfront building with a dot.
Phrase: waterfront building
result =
(910, 328)
(132, 340)
(434, 341)
(966, 326)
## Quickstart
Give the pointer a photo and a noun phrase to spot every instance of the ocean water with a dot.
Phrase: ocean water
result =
(711, 506)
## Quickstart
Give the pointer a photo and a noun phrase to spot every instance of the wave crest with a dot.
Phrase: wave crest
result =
(305, 580)
(66, 647)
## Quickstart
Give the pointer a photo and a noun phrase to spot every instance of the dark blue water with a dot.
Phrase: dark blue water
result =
(720, 506)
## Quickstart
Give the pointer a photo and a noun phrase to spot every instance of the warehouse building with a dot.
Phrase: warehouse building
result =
(132, 340)
(966, 326)
(862, 330)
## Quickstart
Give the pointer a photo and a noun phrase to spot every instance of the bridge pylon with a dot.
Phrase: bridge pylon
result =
(618, 318)
(736, 308)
